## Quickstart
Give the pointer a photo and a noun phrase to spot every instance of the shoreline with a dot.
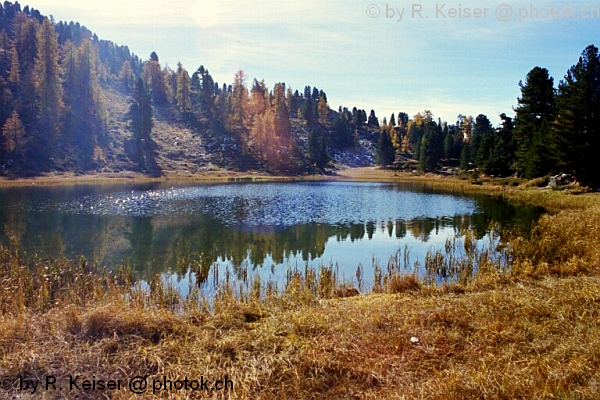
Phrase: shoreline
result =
(370, 174)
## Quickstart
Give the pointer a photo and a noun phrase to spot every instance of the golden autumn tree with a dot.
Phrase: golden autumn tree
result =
(13, 135)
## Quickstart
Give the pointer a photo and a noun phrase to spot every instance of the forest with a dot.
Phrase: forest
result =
(54, 116)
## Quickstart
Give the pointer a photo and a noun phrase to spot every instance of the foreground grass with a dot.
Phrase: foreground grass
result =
(530, 331)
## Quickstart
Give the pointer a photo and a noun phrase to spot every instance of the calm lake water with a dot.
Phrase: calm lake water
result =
(244, 228)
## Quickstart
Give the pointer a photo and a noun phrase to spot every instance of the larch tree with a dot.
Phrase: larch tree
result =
(155, 80)
(13, 134)
(183, 90)
(323, 108)
(126, 76)
(48, 83)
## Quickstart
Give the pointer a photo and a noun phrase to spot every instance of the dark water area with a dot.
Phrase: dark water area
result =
(244, 228)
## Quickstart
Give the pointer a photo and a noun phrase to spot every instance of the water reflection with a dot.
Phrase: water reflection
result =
(259, 227)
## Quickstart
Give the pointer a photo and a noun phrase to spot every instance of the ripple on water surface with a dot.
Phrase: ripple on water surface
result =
(273, 204)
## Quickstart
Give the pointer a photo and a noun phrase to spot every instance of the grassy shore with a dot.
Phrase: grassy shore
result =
(529, 331)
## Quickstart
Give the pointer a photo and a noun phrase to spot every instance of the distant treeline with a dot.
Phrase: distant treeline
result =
(554, 130)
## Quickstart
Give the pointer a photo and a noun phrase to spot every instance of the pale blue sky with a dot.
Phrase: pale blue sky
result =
(357, 51)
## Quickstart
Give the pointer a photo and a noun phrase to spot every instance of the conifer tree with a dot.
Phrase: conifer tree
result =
(317, 149)
(140, 112)
(478, 129)
(239, 100)
(578, 123)
(385, 153)
(183, 90)
(282, 115)
(535, 151)
(323, 109)
(373, 121)
(48, 83)
(155, 80)
(126, 76)
(13, 133)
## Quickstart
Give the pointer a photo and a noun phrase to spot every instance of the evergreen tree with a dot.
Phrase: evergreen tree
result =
(283, 125)
(578, 122)
(140, 112)
(448, 143)
(535, 147)
(431, 147)
(317, 149)
(341, 132)
(465, 157)
(386, 154)
(307, 112)
(48, 84)
(496, 152)
(373, 121)
(479, 128)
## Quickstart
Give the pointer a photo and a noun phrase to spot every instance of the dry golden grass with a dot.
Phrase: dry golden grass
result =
(524, 332)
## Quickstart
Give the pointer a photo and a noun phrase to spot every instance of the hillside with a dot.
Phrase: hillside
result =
(71, 102)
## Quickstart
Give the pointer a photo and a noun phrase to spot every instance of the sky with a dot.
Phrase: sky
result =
(461, 57)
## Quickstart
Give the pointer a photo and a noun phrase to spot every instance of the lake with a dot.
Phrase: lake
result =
(242, 229)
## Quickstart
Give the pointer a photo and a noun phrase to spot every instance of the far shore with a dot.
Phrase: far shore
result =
(371, 174)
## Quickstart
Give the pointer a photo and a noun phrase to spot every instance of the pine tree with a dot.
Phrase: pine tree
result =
(341, 132)
(578, 122)
(535, 153)
(496, 152)
(283, 125)
(430, 150)
(373, 121)
(465, 157)
(140, 113)
(317, 149)
(386, 154)
(478, 129)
